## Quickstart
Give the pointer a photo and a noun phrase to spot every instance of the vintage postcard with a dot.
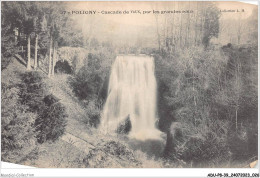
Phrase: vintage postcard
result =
(137, 84)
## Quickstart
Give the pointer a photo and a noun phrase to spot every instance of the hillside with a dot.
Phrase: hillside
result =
(82, 145)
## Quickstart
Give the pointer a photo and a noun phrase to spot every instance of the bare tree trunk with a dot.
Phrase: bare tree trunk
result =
(173, 31)
(181, 32)
(196, 24)
(50, 61)
(29, 53)
(36, 53)
(202, 21)
(165, 41)
(186, 42)
(90, 33)
(188, 30)
(239, 29)
(236, 118)
(158, 33)
(193, 87)
(54, 58)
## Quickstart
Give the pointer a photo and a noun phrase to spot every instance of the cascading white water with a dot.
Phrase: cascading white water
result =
(132, 93)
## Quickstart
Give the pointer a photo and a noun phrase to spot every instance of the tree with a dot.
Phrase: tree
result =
(40, 26)
(211, 24)
(28, 52)
(36, 52)
(18, 138)
(184, 30)
(55, 45)
(12, 19)
(28, 29)
(51, 121)
(55, 22)
(50, 59)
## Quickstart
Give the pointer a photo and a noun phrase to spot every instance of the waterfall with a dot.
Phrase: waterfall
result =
(132, 94)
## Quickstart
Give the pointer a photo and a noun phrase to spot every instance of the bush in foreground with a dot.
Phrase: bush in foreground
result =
(18, 137)
(32, 90)
(51, 121)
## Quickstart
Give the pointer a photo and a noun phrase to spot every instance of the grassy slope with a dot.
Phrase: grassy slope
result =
(81, 145)
(94, 141)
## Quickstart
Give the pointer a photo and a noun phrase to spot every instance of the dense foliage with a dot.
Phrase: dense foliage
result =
(51, 122)
(9, 20)
(90, 83)
(18, 136)
(32, 90)
(28, 117)
(212, 93)
(88, 80)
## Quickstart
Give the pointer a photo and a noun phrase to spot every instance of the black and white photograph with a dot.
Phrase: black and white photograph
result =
(120, 84)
